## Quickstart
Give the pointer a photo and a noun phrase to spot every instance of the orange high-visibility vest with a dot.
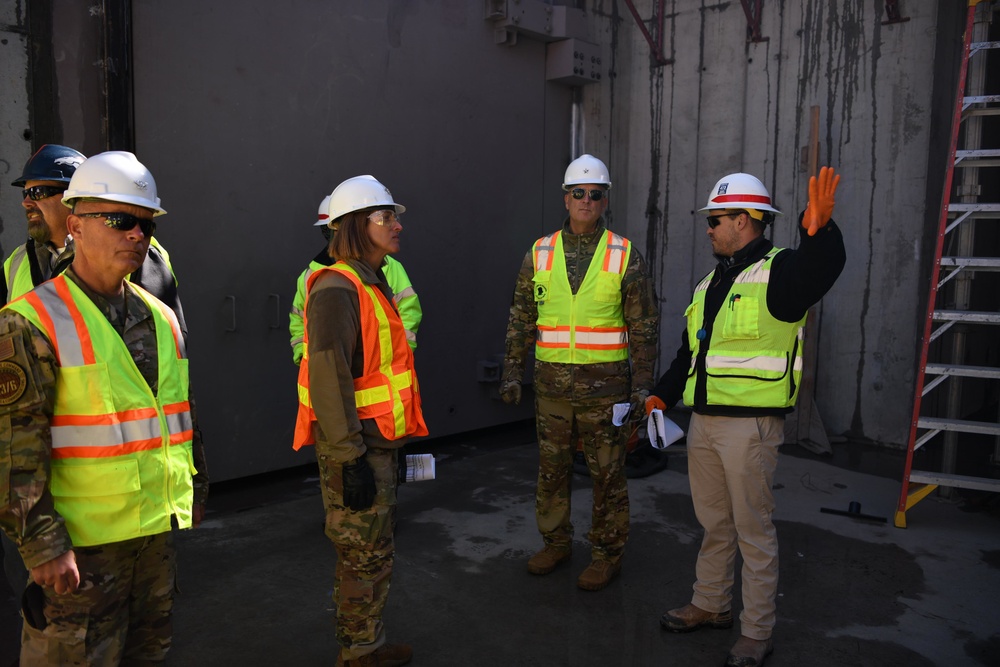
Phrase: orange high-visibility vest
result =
(387, 391)
(121, 464)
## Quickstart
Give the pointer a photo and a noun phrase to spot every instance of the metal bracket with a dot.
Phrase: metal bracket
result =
(753, 20)
(656, 48)
(232, 300)
(892, 12)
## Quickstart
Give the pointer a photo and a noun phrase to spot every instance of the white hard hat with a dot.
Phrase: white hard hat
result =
(357, 193)
(586, 169)
(114, 176)
(323, 214)
(739, 191)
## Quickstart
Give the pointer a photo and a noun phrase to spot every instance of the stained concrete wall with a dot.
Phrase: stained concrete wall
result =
(725, 104)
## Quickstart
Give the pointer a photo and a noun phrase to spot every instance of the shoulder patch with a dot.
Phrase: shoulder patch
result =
(6, 347)
(13, 382)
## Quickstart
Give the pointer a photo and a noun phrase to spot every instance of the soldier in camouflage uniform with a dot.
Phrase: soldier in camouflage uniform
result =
(102, 566)
(359, 402)
(584, 365)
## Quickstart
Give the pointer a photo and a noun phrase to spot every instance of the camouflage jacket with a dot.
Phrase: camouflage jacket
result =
(27, 512)
(601, 382)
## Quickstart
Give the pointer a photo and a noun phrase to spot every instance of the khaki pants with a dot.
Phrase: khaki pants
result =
(731, 463)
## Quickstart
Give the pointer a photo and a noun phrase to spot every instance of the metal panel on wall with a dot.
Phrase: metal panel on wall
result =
(249, 113)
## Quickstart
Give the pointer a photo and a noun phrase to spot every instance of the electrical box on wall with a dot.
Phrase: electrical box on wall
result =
(573, 62)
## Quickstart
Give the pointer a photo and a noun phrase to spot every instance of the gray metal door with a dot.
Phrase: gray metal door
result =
(248, 113)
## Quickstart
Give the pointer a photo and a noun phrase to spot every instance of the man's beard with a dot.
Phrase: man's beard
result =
(39, 232)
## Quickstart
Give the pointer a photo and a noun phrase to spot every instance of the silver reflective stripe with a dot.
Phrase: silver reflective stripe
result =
(409, 291)
(297, 340)
(106, 435)
(616, 250)
(600, 338)
(69, 345)
(15, 265)
(179, 423)
(410, 336)
(703, 285)
(553, 337)
(769, 364)
(544, 250)
(297, 311)
(754, 274)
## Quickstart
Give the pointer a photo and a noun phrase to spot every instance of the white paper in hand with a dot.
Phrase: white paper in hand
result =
(620, 413)
(662, 431)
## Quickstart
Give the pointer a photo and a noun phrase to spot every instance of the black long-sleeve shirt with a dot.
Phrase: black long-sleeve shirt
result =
(799, 279)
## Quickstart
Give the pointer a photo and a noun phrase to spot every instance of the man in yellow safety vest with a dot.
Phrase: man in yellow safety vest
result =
(99, 457)
(584, 297)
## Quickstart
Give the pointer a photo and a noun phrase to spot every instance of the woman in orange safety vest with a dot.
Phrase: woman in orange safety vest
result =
(358, 403)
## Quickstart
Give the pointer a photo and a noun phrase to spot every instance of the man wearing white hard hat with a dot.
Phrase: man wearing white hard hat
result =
(739, 368)
(359, 402)
(584, 298)
(103, 458)
(404, 296)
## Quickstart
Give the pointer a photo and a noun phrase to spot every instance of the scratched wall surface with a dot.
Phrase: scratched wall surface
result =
(725, 105)
(14, 147)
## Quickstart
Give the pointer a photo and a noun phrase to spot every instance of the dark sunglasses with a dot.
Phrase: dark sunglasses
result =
(39, 192)
(715, 220)
(595, 195)
(123, 222)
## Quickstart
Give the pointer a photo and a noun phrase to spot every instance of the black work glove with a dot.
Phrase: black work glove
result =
(359, 484)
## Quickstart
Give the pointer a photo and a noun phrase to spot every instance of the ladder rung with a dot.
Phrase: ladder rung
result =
(955, 481)
(975, 208)
(980, 99)
(977, 153)
(974, 163)
(977, 46)
(959, 425)
(964, 371)
(974, 316)
(987, 111)
(976, 263)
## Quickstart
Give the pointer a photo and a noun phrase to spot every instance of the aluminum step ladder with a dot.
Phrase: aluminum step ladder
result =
(960, 210)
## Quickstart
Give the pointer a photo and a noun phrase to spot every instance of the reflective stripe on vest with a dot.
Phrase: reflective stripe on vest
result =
(121, 456)
(604, 336)
(17, 273)
(753, 360)
(387, 391)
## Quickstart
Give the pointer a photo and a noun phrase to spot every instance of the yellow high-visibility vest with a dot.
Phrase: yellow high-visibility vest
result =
(588, 327)
(121, 455)
(753, 360)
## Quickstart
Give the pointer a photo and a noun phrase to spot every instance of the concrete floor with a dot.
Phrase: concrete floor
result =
(256, 577)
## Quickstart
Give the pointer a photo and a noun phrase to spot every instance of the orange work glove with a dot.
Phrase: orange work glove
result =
(820, 207)
(654, 402)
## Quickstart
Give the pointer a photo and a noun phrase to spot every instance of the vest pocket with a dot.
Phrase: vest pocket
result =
(541, 285)
(100, 501)
(742, 314)
(608, 288)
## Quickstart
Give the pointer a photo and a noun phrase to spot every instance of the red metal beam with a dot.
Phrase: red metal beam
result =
(655, 47)
(753, 19)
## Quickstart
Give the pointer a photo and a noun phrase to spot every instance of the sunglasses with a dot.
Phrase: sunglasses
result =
(595, 195)
(123, 222)
(39, 192)
(715, 220)
(384, 218)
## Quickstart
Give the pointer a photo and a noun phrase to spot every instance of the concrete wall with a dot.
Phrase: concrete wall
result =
(727, 105)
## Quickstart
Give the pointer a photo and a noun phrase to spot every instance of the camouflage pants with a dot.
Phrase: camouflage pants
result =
(120, 614)
(560, 425)
(365, 553)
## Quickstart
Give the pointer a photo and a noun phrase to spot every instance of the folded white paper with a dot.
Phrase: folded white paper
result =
(662, 431)
(620, 413)
(419, 467)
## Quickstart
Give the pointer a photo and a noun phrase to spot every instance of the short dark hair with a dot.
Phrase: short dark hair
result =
(350, 236)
